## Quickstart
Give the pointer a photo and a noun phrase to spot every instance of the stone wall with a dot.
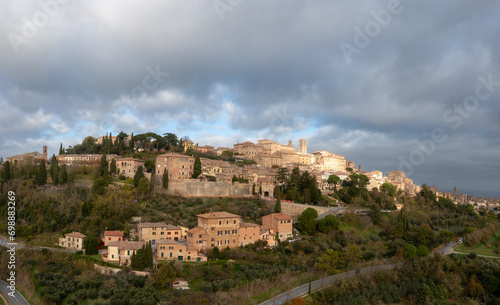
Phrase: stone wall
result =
(196, 188)
(295, 209)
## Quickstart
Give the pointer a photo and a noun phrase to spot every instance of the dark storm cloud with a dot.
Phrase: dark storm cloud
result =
(273, 69)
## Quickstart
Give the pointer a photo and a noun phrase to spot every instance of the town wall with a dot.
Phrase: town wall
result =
(196, 188)
(295, 209)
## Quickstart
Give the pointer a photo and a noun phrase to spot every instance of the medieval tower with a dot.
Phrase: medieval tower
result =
(303, 146)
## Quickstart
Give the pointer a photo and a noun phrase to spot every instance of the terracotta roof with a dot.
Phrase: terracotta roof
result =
(215, 215)
(279, 216)
(247, 224)
(168, 242)
(75, 234)
(196, 230)
(127, 245)
(113, 233)
(172, 227)
(174, 155)
(151, 224)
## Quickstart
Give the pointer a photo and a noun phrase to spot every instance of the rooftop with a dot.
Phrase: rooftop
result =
(113, 233)
(215, 215)
(75, 234)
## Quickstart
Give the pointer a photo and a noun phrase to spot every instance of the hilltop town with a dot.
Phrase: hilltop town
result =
(187, 224)
(257, 165)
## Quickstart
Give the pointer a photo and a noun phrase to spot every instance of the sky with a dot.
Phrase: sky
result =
(408, 85)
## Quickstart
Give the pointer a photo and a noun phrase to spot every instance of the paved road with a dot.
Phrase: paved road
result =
(322, 283)
(5, 243)
(18, 298)
(331, 211)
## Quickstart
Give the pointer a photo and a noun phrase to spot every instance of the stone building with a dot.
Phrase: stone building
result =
(249, 233)
(128, 166)
(73, 241)
(112, 236)
(33, 156)
(84, 159)
(222, 229)
(279, 223)
(178, 166)
(197, 238)
(178, 251)
(120, 252)
(327, 161)
(154, 231)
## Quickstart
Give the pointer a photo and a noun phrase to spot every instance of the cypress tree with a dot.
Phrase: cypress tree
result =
(54, 170)
(61, 151)
(6, 171)
(131, 142)
(103, 167)
(138, 175)
(260, 190)
(165, 178)
(112, 167)
(63, 174)
(42, 174)
(253, 189)
(196, 168)
(152, 182)
(277, 208)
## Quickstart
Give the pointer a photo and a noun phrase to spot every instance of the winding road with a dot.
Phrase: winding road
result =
(327, 281)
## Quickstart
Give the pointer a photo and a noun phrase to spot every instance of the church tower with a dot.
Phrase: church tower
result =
(45, 153)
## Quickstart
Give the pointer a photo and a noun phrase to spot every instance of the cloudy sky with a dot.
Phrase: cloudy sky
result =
(389, 84)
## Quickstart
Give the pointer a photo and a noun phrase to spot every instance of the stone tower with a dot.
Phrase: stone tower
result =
(45, 153)
(303, 146)
(290, 143)
(455, 190)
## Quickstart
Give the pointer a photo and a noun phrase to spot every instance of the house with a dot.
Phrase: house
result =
(111, 236)
(197, 238)
(158, 230)
(128, 166)
(279, 223)
(73, 241)
(221, 227)
(120, 252)
(179, 251)
(178, 166)
(180, 283)
(249, 233)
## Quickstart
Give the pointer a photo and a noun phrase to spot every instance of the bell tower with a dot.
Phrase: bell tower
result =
(45, 153)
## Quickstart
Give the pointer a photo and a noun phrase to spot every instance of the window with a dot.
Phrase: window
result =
(235, 232)
(234, 222)
(154, 233)
(168, 233)
(162, 233)
(220, 222)
(219, 232)
(200, 236)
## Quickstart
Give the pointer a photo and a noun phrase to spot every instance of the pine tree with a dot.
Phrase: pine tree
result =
(42, 174)
(196, 168)
(112, 167)
(6, 171)
(138, 175)
(277, 207)
(165, 178)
